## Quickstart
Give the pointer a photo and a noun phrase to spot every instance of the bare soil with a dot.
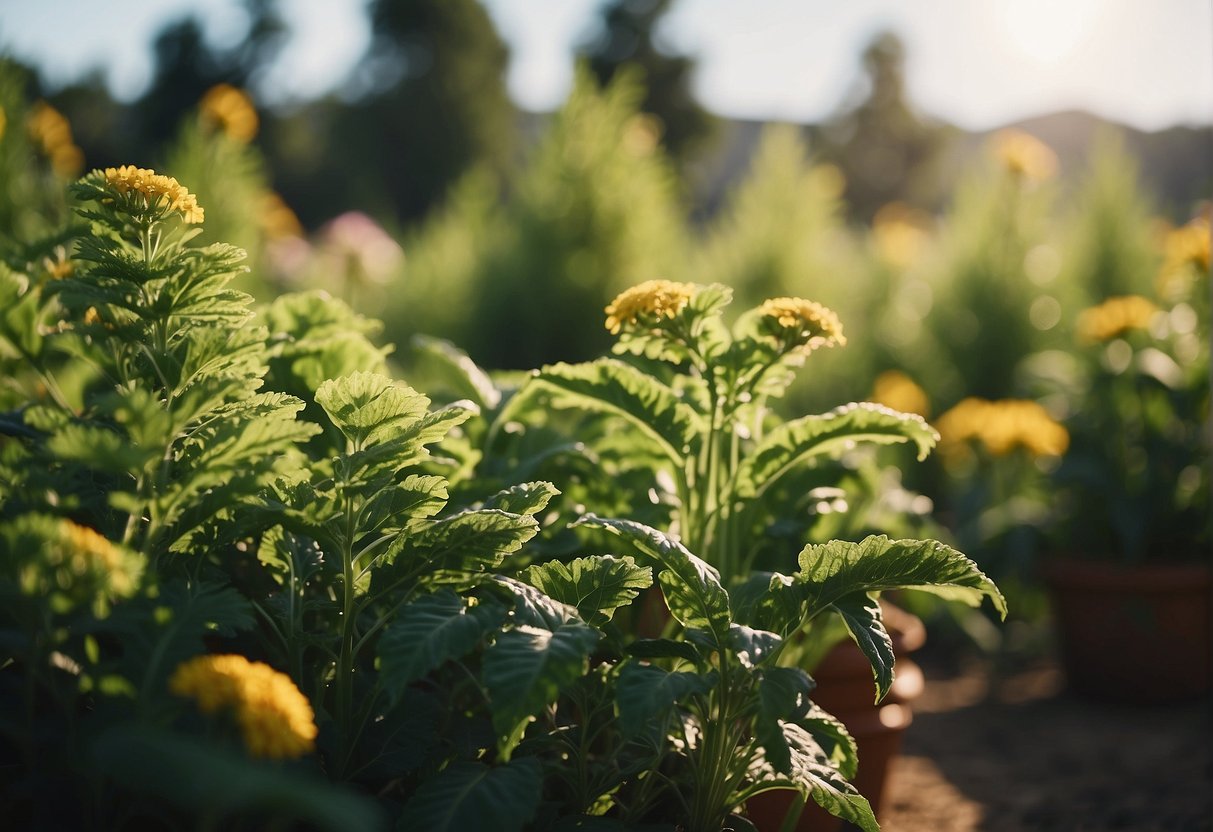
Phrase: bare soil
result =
(1003, 752)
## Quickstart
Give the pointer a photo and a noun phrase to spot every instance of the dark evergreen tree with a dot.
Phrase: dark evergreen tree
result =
(627, 38)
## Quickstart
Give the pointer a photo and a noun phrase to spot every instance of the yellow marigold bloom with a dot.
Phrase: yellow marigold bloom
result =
(895, 389)
(1024, 155)
(653, 298)
(815, 325)
(231, 110)
(276, 720)
(53, 135)
(156, 189)
(1002, 426)
(1115, 316)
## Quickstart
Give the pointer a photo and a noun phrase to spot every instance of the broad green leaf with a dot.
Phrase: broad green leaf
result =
(814, 773)
(834, 738)
(369, 406)
(612, 387)
(753, 647)
(865, 622)
(691, 587)
(762, 601)
(783, 693)
(470, 541)
(645, 694)
(533, 608)
(797, 441)
(403, 444)
(206, 780)
(526, 498)
(470, 795)
(458, 370)
(527, 668)
(428, 632)
(100, 448)
(832, 571)
(596, 585)
(394, 505)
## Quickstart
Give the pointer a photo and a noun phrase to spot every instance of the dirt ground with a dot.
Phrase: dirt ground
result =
(1010, 752)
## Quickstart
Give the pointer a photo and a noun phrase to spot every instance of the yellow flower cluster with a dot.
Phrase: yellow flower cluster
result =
(90, 552)
(155, 189)
(815, 325)
(276, 720)
(53, 134)
(1115, 316)
(1024, 156)
(653, 298)
(1002, 426)
(895, 389)
(231, 110)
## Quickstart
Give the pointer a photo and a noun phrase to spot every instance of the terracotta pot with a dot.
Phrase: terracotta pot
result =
(1136, 634)
(845, 689)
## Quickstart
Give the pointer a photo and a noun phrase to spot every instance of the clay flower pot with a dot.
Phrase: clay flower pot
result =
(1137, 634)
(845, 689)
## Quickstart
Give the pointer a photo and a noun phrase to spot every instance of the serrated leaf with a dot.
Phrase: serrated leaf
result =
(471, 541)
(612, 387)
(832, 571)
(525, 498)
(394, 505)
(799, 440)
(430, 631)
(471, 795)
(99, 448)
(369, 406)
(783, 693)
(691, 587)
(646, 695)
(596, 585)
(527, 668)
(862, 614)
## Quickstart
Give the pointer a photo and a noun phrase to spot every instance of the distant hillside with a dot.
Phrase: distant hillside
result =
(1176, 163)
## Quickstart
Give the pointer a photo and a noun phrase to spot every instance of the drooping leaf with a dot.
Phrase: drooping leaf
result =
(647, 695)
(428, 632)
(812, 771)
(527, 668)
(471, 795)
(458, 370)
(612, 387)
(832, 571)
(799, 440)
(534, 609)
(865, 622)
(691, 587)
(596, 585)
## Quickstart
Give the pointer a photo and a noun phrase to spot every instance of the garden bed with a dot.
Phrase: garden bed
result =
(1003, 752)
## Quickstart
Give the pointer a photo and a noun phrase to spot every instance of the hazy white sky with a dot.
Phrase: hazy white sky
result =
(978, 63)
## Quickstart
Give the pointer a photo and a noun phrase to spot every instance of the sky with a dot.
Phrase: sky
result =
(976, 63)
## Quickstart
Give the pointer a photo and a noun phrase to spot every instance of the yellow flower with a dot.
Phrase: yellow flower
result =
(158, 191)
(276, 720)
(1115, 316)
(810, 324)
(51, 131)
(897, 390)
(58, 265)
(901, 234)
(231, 110)
(1185, 249)
(276, 218)
(1002, 426)
(653, 298)
(90, 552)
(1024, 156)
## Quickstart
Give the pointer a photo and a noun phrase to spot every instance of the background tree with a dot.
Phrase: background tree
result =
(627, 38)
